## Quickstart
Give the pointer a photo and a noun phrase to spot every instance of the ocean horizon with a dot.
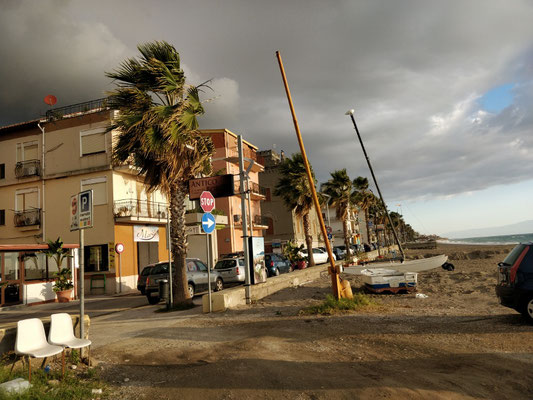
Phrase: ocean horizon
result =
(491, 240)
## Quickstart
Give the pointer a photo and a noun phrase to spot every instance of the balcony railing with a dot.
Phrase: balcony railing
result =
(77, 109)
(27, 217)
(247, 153)
(255, 188)
(140, 209)
(28, 168)
(257, 220)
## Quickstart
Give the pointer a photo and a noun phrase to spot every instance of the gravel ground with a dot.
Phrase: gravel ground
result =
(458, 343)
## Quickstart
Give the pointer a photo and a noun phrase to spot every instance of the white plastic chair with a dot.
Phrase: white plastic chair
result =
(31, 342)
(62, 333)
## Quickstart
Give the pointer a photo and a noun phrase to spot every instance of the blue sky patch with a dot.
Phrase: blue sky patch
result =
(497, 98)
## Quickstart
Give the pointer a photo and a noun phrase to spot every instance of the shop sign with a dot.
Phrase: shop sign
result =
(145, 233)
(219, 186)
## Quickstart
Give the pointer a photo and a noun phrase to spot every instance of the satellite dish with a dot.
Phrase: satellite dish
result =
(50, 100)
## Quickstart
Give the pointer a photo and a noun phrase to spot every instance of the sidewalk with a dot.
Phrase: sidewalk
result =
(95, 305)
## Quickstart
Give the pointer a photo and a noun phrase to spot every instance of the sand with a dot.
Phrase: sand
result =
(458, 343)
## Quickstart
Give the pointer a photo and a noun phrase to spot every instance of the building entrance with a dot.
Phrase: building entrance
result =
(147, 253)
(10, 279)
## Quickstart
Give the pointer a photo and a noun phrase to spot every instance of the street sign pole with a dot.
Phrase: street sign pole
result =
(244, 223)
(207, 202)
(81, 285)
(208, 245)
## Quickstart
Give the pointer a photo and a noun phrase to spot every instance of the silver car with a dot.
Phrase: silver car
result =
(196, 279)
(231, 270)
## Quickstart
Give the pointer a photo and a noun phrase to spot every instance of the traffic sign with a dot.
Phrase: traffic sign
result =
(119, 248)
(207, 201)
(81, 210)
(330, 236)
(208, 222)
(329, 229)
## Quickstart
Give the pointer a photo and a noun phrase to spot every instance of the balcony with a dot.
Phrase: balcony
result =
(27, 217)
(74, 110)
(24, 169)
(257, 192)
(233, 157)
(129, 210)
(258, 221)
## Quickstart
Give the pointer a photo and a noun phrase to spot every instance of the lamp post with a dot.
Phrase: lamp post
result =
(350, 113)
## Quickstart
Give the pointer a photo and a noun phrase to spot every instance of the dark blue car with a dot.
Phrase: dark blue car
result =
(277, 264)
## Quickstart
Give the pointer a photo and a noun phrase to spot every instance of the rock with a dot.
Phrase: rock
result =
(73, 366)
(96, 391)
(126, 379)
(53, 382)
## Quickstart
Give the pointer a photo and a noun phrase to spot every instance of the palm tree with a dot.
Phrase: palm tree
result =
(363, 199)
(158, 134)
(340, 188)
(294, 189)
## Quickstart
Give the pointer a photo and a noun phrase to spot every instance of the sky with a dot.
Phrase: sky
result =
(442, 91)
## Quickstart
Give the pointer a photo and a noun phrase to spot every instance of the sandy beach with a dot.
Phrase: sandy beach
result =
(458, 343)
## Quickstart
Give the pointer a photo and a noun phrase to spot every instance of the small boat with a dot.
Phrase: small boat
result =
(423, 264)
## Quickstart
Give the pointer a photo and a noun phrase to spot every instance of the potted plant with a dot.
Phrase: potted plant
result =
(63, 284)
(293, 253)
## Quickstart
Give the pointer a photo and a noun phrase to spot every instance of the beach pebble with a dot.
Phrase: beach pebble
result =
(73, 366)
(96, 391)
(126, 379)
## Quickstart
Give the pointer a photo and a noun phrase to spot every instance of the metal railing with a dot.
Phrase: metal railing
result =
(247, 153)
(76, 109)
(27, 217)
(140, 209)
(258, 220)
(28, 168)
(254, 188)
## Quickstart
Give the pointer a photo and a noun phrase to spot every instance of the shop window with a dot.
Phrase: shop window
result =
(92, 141)
(2, 217)
(99, 188)
(2, 171)
(11, 267)
(34, 266)
(96, 258)
(27, 151)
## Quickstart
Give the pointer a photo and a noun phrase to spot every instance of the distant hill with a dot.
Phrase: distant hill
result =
(520, 227)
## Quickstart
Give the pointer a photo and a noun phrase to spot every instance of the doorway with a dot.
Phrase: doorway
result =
(147, 253)
(10, 279)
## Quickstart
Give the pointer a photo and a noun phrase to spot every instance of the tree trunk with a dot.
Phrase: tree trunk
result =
(346, 239)
(308, 239)
(178, 239)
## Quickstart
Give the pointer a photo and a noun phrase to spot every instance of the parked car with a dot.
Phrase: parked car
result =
(277, 264)
(231, 269)
(141, 280)
(196, 279)
(515, 280)
(320, 256)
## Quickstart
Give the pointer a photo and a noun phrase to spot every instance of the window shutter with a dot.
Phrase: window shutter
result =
(94, 143)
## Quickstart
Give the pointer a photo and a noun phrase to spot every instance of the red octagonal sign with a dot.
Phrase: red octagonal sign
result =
(207, 201)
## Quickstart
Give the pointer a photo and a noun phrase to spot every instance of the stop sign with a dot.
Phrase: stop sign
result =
(207, 201)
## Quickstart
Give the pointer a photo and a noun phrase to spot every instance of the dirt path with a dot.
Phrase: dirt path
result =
(456, 344)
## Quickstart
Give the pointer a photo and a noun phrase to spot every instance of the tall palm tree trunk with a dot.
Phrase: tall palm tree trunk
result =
(346, 239)
(179, 244)
(308, 239)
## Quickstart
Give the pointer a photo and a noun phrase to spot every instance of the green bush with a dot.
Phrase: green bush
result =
(333, 306)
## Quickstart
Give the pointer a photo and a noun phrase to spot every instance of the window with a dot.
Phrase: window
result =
(201, 266)
(2, 171)
(92, 141)
(99, 188)
(27, 151)
(191, 266)
(34, 266)
(96, 258)
(2, 217)
(27, 199)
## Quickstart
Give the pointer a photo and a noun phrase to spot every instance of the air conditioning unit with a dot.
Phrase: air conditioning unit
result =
(31, 219)
(30, 170)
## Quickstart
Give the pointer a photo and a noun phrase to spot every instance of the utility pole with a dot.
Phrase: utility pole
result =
(242, 175)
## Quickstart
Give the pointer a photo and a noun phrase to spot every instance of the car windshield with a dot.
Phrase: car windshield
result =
(223, 264)
(514, 254)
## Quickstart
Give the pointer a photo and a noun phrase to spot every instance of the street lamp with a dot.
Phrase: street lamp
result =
(350, 113)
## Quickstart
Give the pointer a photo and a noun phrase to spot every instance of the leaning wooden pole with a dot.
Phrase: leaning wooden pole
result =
(333, 269)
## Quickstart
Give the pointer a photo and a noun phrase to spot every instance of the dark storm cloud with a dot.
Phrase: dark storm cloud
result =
(413, 70)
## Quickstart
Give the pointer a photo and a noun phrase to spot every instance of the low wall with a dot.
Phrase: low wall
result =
(9, 335)
(233, 297)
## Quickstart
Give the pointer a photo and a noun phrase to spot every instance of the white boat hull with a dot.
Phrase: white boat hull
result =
(423, 264)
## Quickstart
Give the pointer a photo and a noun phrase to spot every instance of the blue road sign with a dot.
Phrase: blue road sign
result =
(330, 236)
(208, 222)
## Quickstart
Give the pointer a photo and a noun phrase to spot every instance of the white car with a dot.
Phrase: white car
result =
(319, 255)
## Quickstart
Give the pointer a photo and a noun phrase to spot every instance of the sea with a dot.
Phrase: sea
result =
(491, 240)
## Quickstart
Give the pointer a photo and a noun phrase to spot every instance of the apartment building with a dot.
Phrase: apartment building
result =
(282, 224)
(45, 161)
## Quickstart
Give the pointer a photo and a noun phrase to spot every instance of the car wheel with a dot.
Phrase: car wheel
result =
(527, 309)
(152, 299)
(276, 272)
(143, 292)
(190, 288)
(219, 285)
